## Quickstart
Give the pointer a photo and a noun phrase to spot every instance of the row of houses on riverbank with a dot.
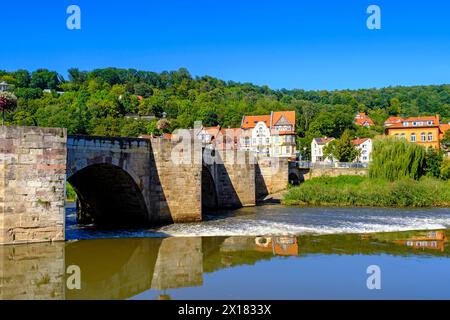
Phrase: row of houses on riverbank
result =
(267, 135)
(274, 135)
(427, 131)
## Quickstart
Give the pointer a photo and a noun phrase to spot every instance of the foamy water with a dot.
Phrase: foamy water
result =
(280, 220)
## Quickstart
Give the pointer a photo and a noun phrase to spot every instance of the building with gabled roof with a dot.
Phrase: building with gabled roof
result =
(270, 135)
(365, 146)
(317, 146)
(424, 130)
(362, 119)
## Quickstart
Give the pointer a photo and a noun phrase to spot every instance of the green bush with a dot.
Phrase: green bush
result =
(70, 193)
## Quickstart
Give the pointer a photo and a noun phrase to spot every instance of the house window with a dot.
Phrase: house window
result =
(430, 123)
(430, 136)
(423, 136)
(414, 123)
(413, 137)
(403, 135)
(254, 140)
(267, 140)
(405, 124)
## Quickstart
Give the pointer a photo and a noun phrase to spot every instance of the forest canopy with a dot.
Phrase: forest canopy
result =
(99, 102)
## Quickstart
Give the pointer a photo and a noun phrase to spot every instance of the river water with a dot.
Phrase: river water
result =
(267, 252)
(281, 220)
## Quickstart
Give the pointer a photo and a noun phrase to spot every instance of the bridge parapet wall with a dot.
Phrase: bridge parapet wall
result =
(334, 172)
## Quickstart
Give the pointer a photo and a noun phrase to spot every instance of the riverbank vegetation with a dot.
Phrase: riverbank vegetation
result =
(402, 174)
(366, 192)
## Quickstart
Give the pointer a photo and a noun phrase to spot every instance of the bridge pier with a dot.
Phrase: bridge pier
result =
(176, 178)
(233, 174)
(32, 184)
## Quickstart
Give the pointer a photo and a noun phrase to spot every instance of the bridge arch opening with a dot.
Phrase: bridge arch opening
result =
(294, 179)
(108, 196)
(209, 193)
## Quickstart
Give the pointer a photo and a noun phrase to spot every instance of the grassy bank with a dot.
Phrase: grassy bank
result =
(365, 192)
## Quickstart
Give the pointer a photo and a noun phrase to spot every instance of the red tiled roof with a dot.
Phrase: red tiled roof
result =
(398, 121)
(394, 119)
(362, 118)
(359, 141)
(249, 122)
(276, 116)
(288, 115)
(362, 121)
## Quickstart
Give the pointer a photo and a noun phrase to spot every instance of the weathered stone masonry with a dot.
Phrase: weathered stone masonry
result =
(119, 181)
(32, 182)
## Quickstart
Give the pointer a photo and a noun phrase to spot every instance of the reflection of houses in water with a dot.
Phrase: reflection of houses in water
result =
(282, 246)
(434, 240)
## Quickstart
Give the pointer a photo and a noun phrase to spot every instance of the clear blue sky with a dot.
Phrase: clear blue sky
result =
(284, 44)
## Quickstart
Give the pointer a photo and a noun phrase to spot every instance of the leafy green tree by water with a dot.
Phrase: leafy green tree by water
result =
(342, 149)
(446, 141)
(394, 159)
(445, 170)
(433, 162)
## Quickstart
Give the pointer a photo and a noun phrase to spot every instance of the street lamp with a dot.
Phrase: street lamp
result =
(3, 86)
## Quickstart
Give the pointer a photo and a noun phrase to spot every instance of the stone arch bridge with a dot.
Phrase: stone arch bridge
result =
(119, 181)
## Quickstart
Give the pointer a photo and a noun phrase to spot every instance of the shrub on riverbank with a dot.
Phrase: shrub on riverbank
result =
(362, 191)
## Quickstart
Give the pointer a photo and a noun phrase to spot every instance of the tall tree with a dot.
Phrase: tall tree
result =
(45, 79)
(342, 149)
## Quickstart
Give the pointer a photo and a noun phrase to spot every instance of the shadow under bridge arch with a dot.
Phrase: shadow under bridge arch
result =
(108, 196)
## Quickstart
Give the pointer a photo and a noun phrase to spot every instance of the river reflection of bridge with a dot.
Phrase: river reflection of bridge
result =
(124, 268)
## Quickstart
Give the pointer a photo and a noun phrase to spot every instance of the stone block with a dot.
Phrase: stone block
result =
(26, 218)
